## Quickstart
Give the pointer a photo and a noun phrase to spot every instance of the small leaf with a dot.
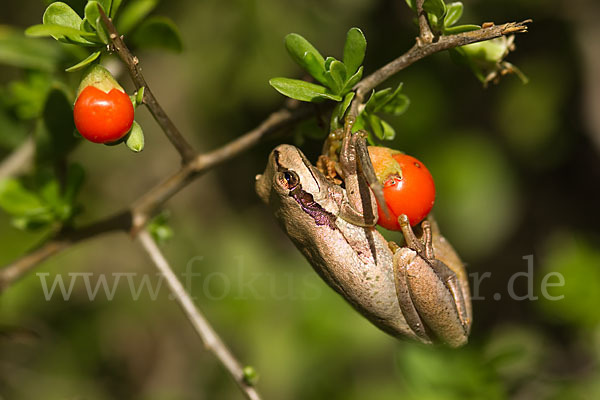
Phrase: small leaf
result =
(158, 32)
(389, 133)
(397, 105)
(134, 12)
(453, 14)
(83, 63)
(302, 90)
(376, 126)
(135, 138)
(18, 201)
(139, 95)
(377, 99)
(336, 76)
(412, 4)
(92, 14)
(63, 33)
(460, 29)
(354, 50)
(61, 14)
(387, 101)
(328, 62)
(102, 32)
(306, 55)
(343, 106)
(352, 81)
(435, 7)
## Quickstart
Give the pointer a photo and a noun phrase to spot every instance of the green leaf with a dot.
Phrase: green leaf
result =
(134, 12)
(435, 7)
(92, 14)
(389, 133)
(61, 14)
(453, 14)
(102, 32)
(158, 32)
(17, 200)
(63, 33)
(135, 138)
(377, 99)
(328, 62)
(397, 105)
(387, 101)
(336, 76)
(354, 50)
(412, 4)
(83, 63)
(302, 90)
(305, 55)
(460, 29)
(376, 126)
(352, 81)
(139, 95)
(343, 106)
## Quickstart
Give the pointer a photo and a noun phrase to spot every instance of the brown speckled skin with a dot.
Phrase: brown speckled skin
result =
(355, 261)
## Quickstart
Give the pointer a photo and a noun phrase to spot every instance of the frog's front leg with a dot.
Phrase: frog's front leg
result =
(361, 207)
(429, 292)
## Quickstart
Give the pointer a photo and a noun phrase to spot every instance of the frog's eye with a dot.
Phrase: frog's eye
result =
(288, 179)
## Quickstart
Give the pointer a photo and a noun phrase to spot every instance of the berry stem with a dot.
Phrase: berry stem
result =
(186, 151)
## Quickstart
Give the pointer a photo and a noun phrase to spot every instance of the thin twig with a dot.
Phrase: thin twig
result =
(425, 34)
(210, 338)
(418, 52)
(181, 144)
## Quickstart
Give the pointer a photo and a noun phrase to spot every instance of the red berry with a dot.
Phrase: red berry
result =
(103, 117)
(412, 194)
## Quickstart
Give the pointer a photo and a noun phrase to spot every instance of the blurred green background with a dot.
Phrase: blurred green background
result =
(517, 169)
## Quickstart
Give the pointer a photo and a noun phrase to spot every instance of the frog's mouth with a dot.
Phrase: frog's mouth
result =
(304, 199)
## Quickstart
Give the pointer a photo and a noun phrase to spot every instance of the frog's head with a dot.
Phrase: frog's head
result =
(287, 170)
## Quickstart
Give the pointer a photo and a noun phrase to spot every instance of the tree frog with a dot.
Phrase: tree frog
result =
(418, 291)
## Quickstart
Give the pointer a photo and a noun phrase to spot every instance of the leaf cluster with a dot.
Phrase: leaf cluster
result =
(62, 23)
(336, 80)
